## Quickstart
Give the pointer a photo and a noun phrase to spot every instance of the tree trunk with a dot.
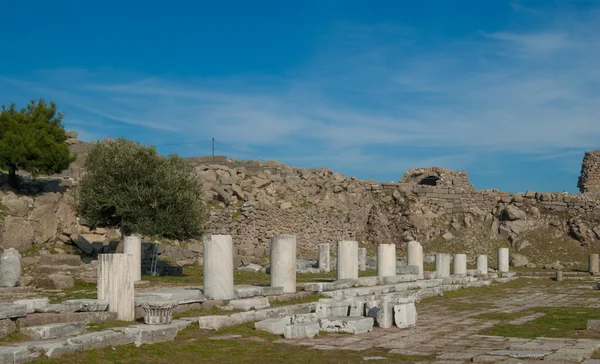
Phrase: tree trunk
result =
(13, 179)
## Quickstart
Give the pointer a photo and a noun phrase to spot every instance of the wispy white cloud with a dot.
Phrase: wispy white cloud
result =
(372, 94)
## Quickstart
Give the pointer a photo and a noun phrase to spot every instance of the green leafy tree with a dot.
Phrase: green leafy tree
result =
(130, 186)
(32, 139)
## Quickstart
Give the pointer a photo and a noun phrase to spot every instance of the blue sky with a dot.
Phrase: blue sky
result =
(507, 90)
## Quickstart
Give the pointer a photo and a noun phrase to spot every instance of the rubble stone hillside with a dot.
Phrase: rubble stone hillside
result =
(254, 200)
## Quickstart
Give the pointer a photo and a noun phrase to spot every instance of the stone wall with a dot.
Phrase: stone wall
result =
(253, 200)
(589, 180)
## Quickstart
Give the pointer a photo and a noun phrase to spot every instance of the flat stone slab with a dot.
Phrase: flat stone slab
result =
(273, 325)
(246, 304)
(179, 295)
(350, 325)
(34, 305)
(214, 322)
(11, 310)
(254, 291)
(38, 319)
(301, 331)
(19, 354)
(84, 305)
(54, 331)
(148, 334)
(533, 354)
(593, 325)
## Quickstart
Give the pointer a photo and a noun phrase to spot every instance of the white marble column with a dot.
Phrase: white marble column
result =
(502, 260)
(362, 259)
(115, 284)
(324, 258)
(283, 262)
(459, 264)
(482, 264)
(347, 259)
(218, 267)
(133, 246)
(386, 260)
(414, 255)
(593, 263)
(442, 265)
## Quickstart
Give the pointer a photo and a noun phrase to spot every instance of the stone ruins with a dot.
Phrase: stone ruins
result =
(383, 247)
(589, 180)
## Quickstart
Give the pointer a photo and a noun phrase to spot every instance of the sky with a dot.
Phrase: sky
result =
(508, 91)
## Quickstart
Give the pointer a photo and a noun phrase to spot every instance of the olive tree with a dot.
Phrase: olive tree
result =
(130, 186)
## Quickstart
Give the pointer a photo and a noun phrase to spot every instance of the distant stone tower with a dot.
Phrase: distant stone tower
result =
(589, 180)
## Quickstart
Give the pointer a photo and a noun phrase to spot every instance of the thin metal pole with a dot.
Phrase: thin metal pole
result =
(213, 147)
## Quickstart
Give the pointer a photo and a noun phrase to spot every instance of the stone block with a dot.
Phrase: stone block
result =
(53, 331)
(37, 319)
(10, 268)
(593, 325)
(405, 315)
(33, 305)
(246, 304)
(11, 310)
(7, 326)
(84, 305)
(60, 259)
(357, 308)
(16, 355)
(242, 317)
(148, 334)
(214, 322)
(56, 281)
(305, 317)
(350, 325)
(301, 331)
(273, 325)
(101, 339)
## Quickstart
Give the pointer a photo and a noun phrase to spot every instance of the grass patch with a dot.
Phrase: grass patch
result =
(81, 290)
(501, 316)
(14, 337)
(110, 324)
(192, 275)
(193, 345)
(557, 322)
(308, 299)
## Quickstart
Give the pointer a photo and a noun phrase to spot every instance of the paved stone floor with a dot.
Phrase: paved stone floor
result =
(451, 336)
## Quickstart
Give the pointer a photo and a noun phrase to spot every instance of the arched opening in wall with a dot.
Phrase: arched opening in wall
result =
(429, 181)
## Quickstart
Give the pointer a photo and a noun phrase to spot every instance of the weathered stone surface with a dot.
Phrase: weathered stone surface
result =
(593, 325)
(53, 318)
(16, 233)
(533, 354)
(34, 304)
(45, 223)
(148, 334)
(405, 315)
(249, 303)
(301, 331)
(350, 325)
(15, 205)
(102, 339)
(273, 325)
(53, 331)
(513, 213)
(214, 322)
(518, 260)
(84, 305)
(10, 310)
(7, 326)
(60, 259)
(10, 268)
(14, 355)
(56, 281)
(158, 313)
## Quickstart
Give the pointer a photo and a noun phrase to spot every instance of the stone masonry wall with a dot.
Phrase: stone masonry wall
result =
(589, 180)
